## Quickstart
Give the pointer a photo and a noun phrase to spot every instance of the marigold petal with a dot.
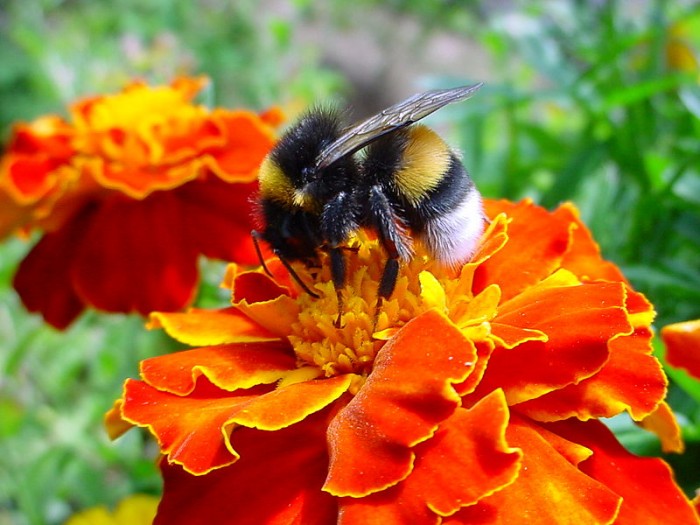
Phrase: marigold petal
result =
(255, 287)
(276, 481)
(43, 278)
(229, 367)
(290, 404)
(189, 429)
(682, 342)
(27, 178)
(248, 140)
(583, 257)
(492, 241)
(630, 380)
(663, 423)
(536, 245)
(399, 406)
(432, 292)
(275, 316)
(198, 327)
(219, 219)
(114, 424)
(466, 460)
(549, 489)
(484, 349)
(646, 485)
(508, 337)
(578, 321)
(135, 257)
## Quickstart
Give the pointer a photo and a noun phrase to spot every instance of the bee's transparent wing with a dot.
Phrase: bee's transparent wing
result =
(392, 118)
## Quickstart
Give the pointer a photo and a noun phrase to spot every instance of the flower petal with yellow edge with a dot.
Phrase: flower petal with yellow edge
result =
(549, 489)
(198, 327)
(646, 485)
(229, 367)
(398, 407)
(578, 320)
(664, 424)
(275, 488)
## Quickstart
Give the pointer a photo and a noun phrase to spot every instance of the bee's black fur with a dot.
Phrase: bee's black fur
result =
(322, 207)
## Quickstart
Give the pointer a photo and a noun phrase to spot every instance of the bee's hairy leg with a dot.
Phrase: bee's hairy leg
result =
(338, 271)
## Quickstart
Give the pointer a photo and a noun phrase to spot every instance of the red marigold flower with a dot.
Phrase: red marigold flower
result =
(682, 342)
(473, 397)
(129, 193)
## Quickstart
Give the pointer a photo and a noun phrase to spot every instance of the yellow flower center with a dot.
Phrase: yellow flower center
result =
(351, 347)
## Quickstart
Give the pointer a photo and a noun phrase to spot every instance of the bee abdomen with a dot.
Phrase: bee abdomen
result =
(452, 237)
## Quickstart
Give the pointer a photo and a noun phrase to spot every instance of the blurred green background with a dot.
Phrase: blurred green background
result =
(590, 101)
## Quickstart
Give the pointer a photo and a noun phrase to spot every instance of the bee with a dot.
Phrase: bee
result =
(316, 190)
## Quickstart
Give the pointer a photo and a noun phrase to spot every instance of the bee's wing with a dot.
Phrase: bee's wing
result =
(392, 118)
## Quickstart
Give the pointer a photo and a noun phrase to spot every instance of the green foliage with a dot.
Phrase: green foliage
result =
(589, 106)
(606, 122)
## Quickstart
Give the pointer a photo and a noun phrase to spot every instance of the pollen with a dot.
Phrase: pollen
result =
(352, 345)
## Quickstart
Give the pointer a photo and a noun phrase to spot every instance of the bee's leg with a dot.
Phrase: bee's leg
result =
(256, 238)
(394, 240)
(338, 275)
(338, 220)
(387, 283)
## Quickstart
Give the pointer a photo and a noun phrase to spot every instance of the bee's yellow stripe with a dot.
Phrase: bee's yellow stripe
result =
(425, 161)
(274, 184)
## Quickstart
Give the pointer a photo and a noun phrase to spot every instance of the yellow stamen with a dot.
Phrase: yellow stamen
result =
(352, 347)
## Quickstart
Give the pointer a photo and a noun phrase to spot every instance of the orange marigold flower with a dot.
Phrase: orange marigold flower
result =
(473, 396)
(129, 192)
(682, 342)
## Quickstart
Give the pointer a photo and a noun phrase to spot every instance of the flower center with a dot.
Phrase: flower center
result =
(352, 346)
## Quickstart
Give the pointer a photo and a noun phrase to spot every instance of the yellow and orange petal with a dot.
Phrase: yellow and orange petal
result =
(682, 341)
(461, 400)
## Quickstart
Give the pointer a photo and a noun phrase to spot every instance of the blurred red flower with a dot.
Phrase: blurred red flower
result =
(473, 398)
(129, 193)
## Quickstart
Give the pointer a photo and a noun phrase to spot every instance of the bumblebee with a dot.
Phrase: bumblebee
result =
(315, 192)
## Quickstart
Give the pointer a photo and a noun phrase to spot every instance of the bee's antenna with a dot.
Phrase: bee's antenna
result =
(256, 237)
(296, 277)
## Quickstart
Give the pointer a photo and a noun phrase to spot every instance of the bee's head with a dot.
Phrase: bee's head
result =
(289, 174)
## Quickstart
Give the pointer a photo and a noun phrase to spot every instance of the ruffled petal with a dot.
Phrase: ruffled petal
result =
(535, 248)
(549, 489)
(248, 139)
(220, 219)
(135, 257)
(43, 278)
(398, 407)
(198, 327)
(578, 321)
(189, 429)
(276, 481)
(290, 404)
(252, 287)
(446, 476)
(632, 379)
(646, 485)
(583, 257)
(229, 367)
(682, 342)
(664, 424)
